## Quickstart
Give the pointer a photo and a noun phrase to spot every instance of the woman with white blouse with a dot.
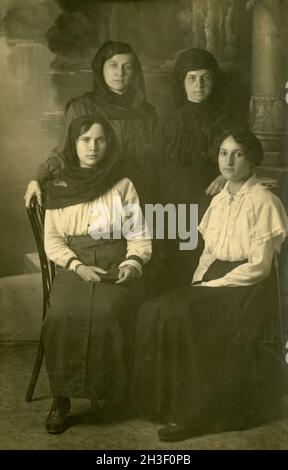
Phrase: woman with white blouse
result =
(96, 235)
(202, 363)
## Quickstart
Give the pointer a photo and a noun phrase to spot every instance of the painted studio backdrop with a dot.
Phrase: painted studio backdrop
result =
(46, 48)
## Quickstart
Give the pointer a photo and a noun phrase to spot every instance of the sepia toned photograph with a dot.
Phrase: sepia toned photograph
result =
(144, 224)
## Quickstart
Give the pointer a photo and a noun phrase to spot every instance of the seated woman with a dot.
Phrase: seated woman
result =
(88, 326)
(202, 362)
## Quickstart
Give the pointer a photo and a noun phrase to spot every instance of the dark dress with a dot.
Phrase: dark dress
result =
(186, 168)
(89, 326)
(211, 358)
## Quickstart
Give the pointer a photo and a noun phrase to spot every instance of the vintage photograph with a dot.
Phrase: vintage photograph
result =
(144, 223)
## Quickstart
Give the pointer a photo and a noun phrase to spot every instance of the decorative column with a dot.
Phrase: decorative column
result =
(269, 77)
(269, 108)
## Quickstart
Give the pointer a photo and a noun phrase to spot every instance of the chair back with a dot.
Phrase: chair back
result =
(36, 216)
(273, 339)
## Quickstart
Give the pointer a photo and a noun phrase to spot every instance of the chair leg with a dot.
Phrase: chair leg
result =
(36, 371)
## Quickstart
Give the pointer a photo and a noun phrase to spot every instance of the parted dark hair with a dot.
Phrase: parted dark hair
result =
(81, 125)
(243, 136)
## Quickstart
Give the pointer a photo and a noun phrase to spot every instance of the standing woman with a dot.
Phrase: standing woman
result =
(188, 174)
(208, 355)
(119, 96)
(88, 326)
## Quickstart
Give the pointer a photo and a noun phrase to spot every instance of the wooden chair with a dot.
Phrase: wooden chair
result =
(273, 342)
(273, 339)
(36, 216)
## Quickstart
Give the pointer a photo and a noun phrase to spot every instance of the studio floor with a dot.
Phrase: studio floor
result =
(22, 424)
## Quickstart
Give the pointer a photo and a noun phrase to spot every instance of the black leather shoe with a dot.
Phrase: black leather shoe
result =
(56, 421)
(173, 432)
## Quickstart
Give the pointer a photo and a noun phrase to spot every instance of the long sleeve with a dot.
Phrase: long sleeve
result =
(139, 245)
(205, 261)
(250, 227)
(55, 244)
(256, 270)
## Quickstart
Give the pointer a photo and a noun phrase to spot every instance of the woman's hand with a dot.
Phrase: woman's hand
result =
(89, 273)
(127, 272)
(216, 186)
(33, 189)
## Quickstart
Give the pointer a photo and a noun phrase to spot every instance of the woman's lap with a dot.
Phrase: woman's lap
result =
(71, 295)
(87, 335)
(199, 348)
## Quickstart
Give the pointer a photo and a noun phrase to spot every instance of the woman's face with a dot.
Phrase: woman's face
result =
(198, 85)
(118, 71)
(233, 164)
(91, 146)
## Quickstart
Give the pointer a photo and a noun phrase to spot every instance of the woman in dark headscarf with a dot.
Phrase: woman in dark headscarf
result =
(119, 96)
(187, 173)
(88, 325)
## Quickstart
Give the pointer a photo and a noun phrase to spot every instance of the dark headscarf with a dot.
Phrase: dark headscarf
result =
(195, 124)
(75, 184)
(194, 59)
(112, 105)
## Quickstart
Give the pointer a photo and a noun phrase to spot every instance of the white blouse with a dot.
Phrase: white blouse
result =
(118, 209)
(250, 225)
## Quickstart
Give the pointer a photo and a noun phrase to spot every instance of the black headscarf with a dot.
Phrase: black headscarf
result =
(194, 59)
(75, 184)
(112, 105)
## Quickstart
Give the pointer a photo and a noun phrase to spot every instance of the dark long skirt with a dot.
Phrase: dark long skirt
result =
(88, 327)
(211, 358)
(182, 185)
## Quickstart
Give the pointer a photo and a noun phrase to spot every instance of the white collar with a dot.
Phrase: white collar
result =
(252, 184)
